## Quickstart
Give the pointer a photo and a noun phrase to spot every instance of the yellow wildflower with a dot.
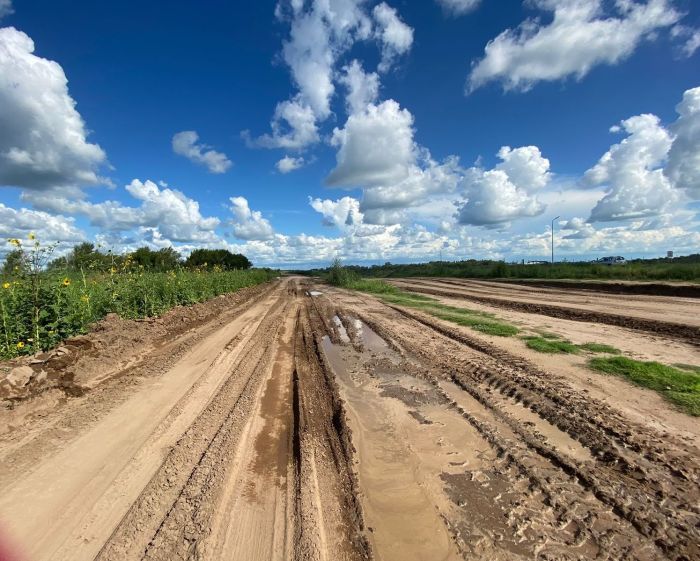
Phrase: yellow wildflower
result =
(32, 236)
(20, 345)
(85, 298)
(14, 241)
(66, 282)
(113, 270)
(6, 285)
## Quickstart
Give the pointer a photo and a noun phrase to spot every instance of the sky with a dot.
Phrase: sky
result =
(299, 131)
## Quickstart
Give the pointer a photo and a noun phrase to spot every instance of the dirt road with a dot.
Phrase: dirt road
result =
(666, 315)
(281, 425)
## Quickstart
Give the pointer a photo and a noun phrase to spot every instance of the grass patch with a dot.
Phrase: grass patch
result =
(552, 343)
(680, 387)
(551, 346)
(600, 348)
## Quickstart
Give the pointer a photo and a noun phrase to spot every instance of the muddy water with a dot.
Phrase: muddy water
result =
(407, 442)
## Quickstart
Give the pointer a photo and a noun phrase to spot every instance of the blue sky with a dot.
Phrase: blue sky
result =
(303, 130)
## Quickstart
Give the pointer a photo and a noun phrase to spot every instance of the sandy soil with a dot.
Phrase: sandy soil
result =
(296, 421)
(674, 317)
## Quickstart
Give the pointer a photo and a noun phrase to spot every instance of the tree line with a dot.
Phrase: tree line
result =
(86, 257)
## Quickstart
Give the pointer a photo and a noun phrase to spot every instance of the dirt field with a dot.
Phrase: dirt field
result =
(296, 421)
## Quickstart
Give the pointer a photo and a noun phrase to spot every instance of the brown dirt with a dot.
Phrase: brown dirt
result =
(278, 424)
(676, 318)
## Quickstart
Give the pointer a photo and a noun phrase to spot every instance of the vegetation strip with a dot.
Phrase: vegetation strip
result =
(43, 302)
(552, 344)
(680, 387)
(480, 321)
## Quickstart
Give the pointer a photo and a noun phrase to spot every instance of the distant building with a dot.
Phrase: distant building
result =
(611, 260)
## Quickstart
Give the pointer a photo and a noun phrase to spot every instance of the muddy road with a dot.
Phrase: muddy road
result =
(670, 316)
(277, 424)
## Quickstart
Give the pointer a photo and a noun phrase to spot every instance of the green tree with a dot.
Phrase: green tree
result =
(221, 257)
(15, 263)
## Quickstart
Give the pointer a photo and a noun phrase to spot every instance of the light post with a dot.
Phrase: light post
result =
(553, 219)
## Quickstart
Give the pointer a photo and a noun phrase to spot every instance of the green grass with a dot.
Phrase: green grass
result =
(680, 387)
(600, 348)
(551, 346)
(552, 343)
(479, 321)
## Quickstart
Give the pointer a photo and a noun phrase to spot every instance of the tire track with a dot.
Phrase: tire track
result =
(686, 333)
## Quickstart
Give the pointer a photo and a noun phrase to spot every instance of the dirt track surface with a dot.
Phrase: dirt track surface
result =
(285, 426)
(678, 318)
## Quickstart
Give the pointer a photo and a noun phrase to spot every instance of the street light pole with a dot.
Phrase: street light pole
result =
(557, 218)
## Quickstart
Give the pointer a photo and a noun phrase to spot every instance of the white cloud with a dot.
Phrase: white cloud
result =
(6, 8)
(342, 213)
(19, 223)
(288, 164)
(374, 148)
(458, 7)
(321, 32)
(691, 36)
(580, 36)
(632, 173)
(185, 144)
(507, 192)
(363, 88)
(396, 37)
(249, 224)
(525, 167)
(175, 216)
(42, 137)
(683, 166)
(293, 127)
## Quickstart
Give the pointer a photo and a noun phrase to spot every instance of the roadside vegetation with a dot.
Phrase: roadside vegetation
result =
(480, 321)
(678, 269)
(44, 300)
(680, 387)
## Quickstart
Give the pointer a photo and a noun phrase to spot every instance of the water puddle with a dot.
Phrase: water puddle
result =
(344, 337)
(400, 459)
(369, 339)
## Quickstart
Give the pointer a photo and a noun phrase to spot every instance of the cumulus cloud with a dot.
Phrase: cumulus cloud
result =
(363, 88)
(580, 36)
(321, 32)
(632, 173)
(458, 7)
(396, 37)
(43, 141)
(374, 148)
(249, 224)
(6, 8)
(185, 144)
(293, 127)
(175, 216)
(289, 164)
(683, 167)
(507, 192)
(19, 223)
(341, 213)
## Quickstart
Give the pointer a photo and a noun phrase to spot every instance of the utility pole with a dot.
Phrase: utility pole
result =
(557, 218)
